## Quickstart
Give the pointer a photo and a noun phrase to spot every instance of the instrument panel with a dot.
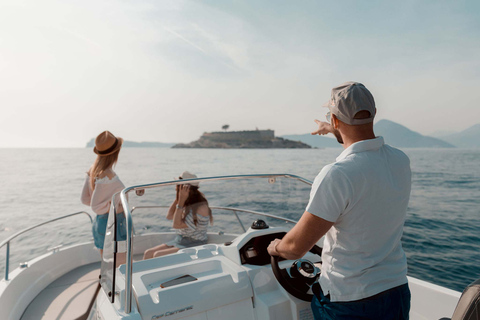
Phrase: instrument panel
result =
(255, 252)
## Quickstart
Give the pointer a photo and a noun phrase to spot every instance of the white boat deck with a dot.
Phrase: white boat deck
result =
(59, 289)
(69, 297)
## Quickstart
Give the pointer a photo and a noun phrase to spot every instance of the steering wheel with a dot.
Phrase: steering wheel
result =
(303, 273)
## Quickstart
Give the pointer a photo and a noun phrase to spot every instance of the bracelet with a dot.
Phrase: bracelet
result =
(179, 207)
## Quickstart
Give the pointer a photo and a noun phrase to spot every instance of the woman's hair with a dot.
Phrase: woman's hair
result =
(101, 164)
(194, 201)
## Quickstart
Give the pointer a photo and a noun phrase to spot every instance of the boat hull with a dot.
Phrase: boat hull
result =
(429, 301)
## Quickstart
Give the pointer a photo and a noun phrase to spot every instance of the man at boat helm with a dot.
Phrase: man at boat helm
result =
(359, 204)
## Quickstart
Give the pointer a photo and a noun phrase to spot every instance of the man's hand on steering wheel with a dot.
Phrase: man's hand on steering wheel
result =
(302, 238)
(272, 247)
(297, 279)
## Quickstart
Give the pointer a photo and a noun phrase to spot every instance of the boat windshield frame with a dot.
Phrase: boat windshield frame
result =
(129, 222)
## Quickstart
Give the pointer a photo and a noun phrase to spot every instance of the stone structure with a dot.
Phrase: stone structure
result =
(239, 135)
(242, 139)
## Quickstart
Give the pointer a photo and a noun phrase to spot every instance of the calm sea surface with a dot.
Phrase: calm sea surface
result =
(442, 232)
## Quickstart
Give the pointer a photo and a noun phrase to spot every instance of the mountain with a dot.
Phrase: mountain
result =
(469, 138)
(399, 136)
(441, 133)
(132, 144)
(394, 134)
(314, 141)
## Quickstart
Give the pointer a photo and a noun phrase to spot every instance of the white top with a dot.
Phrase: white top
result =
(195, 232)
(365, 193)
(101, 198)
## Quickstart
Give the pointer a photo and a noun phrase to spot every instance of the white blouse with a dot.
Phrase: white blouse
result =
(101, 197)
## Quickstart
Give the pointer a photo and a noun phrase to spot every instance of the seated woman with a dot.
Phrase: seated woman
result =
(190, 214)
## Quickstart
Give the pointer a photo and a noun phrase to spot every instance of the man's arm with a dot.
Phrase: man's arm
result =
(323, 128)
(303, 236)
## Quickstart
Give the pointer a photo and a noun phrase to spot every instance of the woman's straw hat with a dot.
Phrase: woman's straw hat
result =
(106, 144)
(188, 175)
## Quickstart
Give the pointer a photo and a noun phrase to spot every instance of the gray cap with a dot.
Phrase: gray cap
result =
(350, 98)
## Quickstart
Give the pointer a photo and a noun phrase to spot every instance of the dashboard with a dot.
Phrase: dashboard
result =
(255, 252)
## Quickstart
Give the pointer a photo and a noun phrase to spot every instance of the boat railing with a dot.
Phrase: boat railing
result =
(234, 210)
(9, 239)
(129, 221)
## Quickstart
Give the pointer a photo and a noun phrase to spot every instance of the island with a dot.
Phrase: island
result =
(253, 139)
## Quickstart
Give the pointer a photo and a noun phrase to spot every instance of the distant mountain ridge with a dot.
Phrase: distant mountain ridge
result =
(469, 138)
(394, 134)
(132, 144)
(399, 136)
(314, 141)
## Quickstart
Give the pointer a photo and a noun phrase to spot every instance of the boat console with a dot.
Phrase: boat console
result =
(214, 281)
(193, 281)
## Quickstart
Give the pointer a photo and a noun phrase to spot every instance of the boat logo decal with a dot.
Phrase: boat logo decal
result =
(171, 313)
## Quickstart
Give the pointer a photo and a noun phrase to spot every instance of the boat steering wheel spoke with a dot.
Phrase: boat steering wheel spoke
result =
(299, 277)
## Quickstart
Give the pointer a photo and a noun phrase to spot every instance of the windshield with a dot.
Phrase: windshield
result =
(235, 202)
(228, 199)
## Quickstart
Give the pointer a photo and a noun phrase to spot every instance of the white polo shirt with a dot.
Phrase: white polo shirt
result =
(365, 193)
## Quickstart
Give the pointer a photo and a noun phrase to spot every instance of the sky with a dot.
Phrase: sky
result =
(169, 70)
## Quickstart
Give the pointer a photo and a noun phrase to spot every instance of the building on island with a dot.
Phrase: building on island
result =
(242, 139)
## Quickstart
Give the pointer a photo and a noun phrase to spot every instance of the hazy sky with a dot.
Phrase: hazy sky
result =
(170, 70)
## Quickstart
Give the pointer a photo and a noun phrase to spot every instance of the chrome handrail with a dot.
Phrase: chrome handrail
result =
(7, 241)
(235, 210)
(254, 212)
(129, 221)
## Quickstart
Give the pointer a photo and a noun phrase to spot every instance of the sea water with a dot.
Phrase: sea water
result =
(441, 235)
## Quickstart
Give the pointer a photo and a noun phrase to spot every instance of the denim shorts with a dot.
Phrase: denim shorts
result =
(99, 228)
(392, 304)
(185, 242)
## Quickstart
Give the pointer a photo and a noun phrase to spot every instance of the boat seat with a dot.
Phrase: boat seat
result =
(69, 297)
(468, 306)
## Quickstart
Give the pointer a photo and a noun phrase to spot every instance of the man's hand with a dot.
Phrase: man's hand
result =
(303, 236)
(323, 128)
(272, 247)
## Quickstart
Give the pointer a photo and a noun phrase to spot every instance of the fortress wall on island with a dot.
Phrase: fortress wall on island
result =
(239, 135)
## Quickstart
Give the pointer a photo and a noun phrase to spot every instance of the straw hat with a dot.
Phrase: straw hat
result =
(106, 144)
(188, 175)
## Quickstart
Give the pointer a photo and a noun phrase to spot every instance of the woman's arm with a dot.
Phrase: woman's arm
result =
(86, 196)
(203, 210)
(177, 219)
(171, 210)
(180, 207)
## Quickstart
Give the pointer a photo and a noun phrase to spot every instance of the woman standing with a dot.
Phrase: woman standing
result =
(101, 183)
(190, 214)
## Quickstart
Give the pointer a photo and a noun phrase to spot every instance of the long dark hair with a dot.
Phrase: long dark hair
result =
(195, 200)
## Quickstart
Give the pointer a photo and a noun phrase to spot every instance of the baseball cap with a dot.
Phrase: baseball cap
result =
(350, 98)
